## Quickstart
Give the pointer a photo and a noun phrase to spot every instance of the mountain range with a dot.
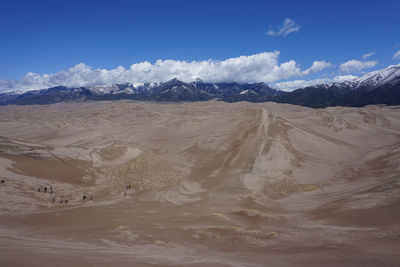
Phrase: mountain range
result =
(378, 87)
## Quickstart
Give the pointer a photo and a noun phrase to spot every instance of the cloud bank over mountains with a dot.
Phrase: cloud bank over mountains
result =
(262, 67)
(292, 85)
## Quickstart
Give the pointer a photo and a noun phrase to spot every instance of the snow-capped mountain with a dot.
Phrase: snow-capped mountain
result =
(173, 90)
(374, 79)
(126, 88)
(378, 87)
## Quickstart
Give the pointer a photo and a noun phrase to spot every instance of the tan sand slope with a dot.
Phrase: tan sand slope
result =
(199, 184)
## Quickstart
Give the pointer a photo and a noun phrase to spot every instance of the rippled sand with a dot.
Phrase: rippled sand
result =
(199, 184)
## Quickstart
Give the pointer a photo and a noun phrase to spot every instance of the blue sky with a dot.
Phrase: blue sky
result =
(53, 37)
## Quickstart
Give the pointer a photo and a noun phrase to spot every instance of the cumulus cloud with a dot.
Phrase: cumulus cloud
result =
(288, 27)
(292, 85)
(317, 66)
(367, 55)
(396, 55)
(356, 65)
(342, 78)
(262, 67)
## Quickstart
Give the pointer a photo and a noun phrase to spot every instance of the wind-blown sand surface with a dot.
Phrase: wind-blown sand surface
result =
(199, 184)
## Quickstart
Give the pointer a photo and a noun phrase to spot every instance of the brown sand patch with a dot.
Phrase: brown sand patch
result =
(201, 184)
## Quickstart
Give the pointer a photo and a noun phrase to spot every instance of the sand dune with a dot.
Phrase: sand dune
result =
(199, 184)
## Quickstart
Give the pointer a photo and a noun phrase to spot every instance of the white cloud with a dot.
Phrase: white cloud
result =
(356, 65)
(317, 66)
(342, 78)
(367, 55)
(8, 85)
(396, 55)
(288, 27)
(262, 67)
(292, 85)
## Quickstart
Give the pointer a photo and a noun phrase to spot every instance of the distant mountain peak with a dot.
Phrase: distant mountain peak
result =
(379, 77)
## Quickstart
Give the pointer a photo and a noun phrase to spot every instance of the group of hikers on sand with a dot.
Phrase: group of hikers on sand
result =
(50, 190)
(45, 189)
(62, 200)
